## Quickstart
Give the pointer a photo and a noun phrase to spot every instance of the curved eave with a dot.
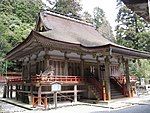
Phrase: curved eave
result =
(130, 52)
(19, 49)
(36, 42)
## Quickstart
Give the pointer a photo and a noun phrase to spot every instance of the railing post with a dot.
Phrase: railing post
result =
(104, 91)
(39, 95)
(33, 104)
(75, 93)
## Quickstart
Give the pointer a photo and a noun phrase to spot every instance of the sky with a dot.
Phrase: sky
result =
(109, 7)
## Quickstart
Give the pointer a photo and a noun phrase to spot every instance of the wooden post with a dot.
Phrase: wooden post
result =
(18, 92)
(75, 93)
(82, 68)
(23, 94)
(56, 67)
(45, 102)
(7, 90)
(39, 95)
(11, 88)
(55, 99)
(104, 92)
(66, 67)
(16, 97)
(29, 73)
(127, 77)
(107, 77)
(88, 92)
(31, 91)
(98, 69)
(46, 59)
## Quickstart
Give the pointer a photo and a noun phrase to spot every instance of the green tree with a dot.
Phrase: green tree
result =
(132, 31)
(99, 15)
(25, 10)
(100, 21)
(87, 17)
(102, 25)
(67, 7)
(17, 18)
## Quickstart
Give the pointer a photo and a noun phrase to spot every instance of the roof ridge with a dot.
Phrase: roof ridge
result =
(67, 17)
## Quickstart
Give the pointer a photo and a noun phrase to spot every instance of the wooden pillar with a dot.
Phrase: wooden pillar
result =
(46, 59)
(16, 96)
(46, 62)
(7, 90)
(31, 91)
(82, 68)
(98, 69)
(39, 95)
(23, 94)
(55, 99)
(18, 92)
(107, 77)
(75, 93)
(127, 77)
(29, 69)
(66, 67)
(88, 92)
(11, 88)
(56, 69)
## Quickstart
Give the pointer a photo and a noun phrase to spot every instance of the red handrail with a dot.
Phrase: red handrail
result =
(98, 86)
(50, 79)
(121, 85)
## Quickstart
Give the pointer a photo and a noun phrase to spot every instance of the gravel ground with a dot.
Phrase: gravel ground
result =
(133, 109)
(93, 109)
(9, 108)
(137, 108)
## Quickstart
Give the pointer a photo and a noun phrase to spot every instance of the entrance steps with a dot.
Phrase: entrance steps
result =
(115, 91)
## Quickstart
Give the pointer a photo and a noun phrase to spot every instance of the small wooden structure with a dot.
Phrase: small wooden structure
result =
(71, 52)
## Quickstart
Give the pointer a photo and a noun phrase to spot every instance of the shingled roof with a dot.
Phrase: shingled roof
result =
(67, 29)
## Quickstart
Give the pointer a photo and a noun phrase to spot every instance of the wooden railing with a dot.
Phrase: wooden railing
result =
(61, 79)
(50, 79)
(43, 101)
(13, 80)
(121, 84)
(100, 87)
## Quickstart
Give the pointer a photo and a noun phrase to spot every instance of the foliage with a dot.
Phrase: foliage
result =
(25, 10)
(133, 31)
(98, 16)
(17, 18)
(99, 20)
(67, 7)
(141, 71)
(87, 17)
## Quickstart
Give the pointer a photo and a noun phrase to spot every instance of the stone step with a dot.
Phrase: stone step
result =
(117, 96)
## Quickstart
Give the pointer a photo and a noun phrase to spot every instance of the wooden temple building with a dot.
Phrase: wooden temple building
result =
(74, 54)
